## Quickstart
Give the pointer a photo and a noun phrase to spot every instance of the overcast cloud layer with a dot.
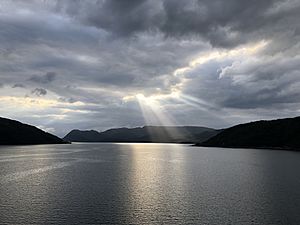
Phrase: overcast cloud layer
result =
(86, 64)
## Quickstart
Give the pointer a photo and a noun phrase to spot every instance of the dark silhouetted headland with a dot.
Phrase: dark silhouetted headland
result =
(15, 133)
(159, 134)
(275, 134)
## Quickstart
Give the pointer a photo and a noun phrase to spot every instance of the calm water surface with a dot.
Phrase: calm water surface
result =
(148, 184)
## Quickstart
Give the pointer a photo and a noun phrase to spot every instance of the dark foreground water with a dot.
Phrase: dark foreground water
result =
(148, 184)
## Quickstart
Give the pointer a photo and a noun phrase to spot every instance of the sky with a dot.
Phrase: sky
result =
(124, 63)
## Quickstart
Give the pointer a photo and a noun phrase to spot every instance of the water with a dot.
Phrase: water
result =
(148, 184)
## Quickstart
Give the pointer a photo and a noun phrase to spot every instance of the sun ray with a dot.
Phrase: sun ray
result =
(154, 114)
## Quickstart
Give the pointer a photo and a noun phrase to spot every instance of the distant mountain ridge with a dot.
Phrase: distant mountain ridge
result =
(275, 134)
(160, 134)
(13, 132)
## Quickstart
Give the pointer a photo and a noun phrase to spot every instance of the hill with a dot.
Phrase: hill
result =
(275, 134)
(160, 134)
(15, 133)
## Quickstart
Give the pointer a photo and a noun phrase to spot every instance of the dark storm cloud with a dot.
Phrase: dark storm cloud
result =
(43, 79)
(39, 92)
(222, 23)
(121, 17)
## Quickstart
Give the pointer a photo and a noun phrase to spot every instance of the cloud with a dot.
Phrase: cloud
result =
(246, 81)
(39, 92)
(222, 23)
(88, 56)
(69, 100)
(44, 79)
(18, 86)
